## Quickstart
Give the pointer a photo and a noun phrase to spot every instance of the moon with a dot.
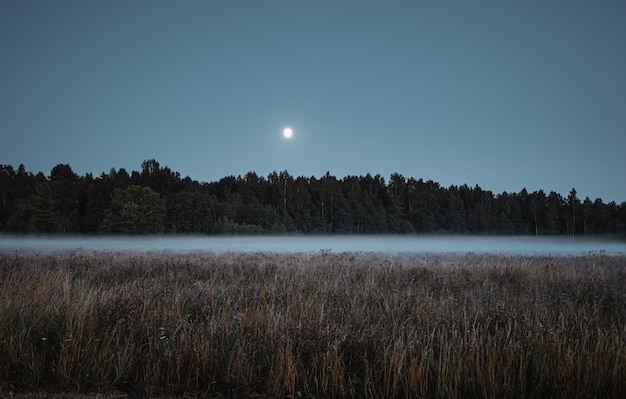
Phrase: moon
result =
(287, 132)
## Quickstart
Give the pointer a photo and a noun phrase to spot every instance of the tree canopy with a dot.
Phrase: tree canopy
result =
(156, 199)
(134, 210)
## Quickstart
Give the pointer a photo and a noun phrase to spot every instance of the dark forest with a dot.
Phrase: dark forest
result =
(157, 200)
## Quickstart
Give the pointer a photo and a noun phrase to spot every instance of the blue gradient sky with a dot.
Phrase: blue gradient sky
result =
(501, 94)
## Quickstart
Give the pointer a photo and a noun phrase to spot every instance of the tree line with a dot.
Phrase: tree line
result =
(157, 200)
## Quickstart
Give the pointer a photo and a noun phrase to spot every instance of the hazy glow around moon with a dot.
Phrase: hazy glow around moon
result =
(287, 132)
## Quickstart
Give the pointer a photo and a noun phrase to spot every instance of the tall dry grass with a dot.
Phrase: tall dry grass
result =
(322, 325)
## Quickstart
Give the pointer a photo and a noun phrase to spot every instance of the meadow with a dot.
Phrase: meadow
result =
(323, 325)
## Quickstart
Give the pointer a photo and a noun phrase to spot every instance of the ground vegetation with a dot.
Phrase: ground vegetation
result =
(320, 325)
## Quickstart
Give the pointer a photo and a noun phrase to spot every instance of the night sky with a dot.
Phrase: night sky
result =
(506, 95)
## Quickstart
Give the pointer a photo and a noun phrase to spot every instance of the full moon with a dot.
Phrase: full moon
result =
(287, 132)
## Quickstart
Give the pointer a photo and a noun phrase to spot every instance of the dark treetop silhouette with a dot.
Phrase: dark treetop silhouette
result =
(157, 200)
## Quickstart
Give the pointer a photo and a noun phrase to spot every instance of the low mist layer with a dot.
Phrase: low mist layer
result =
(339, 243)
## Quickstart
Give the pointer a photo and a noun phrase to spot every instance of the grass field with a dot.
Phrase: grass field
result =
(313, 325)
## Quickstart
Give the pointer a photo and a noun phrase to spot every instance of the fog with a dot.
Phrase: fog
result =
(375, 243)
